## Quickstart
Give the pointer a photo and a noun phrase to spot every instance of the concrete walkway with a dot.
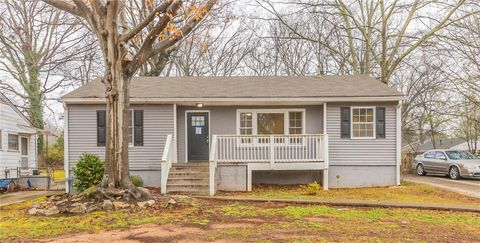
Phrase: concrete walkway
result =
(469, 187)
(18, 197)
(352, 203)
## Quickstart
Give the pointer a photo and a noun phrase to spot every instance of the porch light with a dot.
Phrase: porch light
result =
(199, 105)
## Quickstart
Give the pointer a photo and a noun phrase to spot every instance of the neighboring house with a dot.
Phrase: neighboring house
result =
(17, 141)
(451, 143)
(342, 131)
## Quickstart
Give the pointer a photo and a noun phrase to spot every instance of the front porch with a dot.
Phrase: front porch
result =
(302, 152)
(269, 153)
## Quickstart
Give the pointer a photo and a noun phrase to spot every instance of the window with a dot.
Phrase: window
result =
(130, 129)
(13, 142)
(270, 123)
(429, 155)
(440, 155)
(363, 122)
(295, 119)
(267, 122)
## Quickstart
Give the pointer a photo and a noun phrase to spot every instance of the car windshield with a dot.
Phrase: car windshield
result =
(456, 155)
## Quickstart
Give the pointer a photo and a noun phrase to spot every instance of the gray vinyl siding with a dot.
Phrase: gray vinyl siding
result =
(348, 151)
(223, 121)
(82, 134)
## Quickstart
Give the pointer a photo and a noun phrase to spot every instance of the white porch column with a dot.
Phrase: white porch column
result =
(66, 165)
(325, 148)
(399, 140)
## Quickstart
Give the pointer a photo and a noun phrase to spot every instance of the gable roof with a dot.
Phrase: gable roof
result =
(245, 87)
(5, 100)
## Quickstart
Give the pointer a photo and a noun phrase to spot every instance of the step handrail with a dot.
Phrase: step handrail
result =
(166, 163)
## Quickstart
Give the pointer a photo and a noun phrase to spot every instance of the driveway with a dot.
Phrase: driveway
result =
(18, 197)
(469, 187)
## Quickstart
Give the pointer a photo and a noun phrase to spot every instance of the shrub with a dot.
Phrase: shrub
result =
(311, 189)
(88, 172)
(136, 180)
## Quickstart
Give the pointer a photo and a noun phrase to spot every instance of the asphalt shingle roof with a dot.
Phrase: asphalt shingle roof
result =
(246, 87)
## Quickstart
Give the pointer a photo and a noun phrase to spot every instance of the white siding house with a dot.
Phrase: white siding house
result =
(17, 141)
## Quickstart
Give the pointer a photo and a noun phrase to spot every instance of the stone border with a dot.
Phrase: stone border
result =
(351, 203)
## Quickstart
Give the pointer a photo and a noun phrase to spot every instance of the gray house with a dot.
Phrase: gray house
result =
(202, 134)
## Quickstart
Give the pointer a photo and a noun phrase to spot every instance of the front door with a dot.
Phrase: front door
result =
(23, 152)
(197, 136)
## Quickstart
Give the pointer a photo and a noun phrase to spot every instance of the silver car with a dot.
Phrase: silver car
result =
(454, 163)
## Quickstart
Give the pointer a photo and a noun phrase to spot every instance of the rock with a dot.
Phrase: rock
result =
(120, 205)
(107, 205)
(51, 211)
(91, 209)
(142, 204)
(61, 202)
(78, 208)
(35, 211)
(151, 202)
(172, 201)
(36, 205)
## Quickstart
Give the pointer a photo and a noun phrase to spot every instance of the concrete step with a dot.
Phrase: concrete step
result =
(189, 192)
(187, 182)
(179, 165)
(188, 177)
(189, 169)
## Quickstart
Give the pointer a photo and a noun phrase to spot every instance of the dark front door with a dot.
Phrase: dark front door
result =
(197, 136)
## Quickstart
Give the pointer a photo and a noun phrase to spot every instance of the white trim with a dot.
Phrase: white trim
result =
(175, 137)
(186, 130)
(399, 140)
(287, 100)
(1, 139)
(132, 123)
(373, 122)
(284, 111)
(326, 150)
(66, 160)
(20, 147)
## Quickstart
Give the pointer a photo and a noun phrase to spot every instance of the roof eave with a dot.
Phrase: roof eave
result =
(68, 100)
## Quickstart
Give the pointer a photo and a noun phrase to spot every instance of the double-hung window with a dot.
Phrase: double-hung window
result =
(13, 142)
(363, 122)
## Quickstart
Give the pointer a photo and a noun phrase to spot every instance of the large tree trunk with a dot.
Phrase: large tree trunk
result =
(117, 82)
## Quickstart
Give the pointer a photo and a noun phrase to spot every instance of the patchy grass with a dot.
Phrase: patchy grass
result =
(205, 220)
(408, 193)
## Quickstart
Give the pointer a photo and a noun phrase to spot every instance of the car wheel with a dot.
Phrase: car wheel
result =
(421, 170)
(454, 173)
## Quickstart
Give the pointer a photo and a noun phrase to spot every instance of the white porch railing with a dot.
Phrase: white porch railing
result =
(273, 149)
(166, 162)
(270, 148)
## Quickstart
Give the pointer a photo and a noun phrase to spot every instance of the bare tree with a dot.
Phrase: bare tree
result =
(371, 36)
(36, 44)
(162, 27)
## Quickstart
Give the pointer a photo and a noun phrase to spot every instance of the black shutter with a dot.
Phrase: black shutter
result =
(138, 127)
(345, 122)
(101, 128)
(380, 123)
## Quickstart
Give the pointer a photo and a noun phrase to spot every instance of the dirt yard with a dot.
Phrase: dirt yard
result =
(208, 220)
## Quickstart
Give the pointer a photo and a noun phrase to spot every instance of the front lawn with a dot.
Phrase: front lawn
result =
(209, 220)
(407, 192)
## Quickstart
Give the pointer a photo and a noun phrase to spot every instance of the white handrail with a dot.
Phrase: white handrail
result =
(212, 165)
(166, 163)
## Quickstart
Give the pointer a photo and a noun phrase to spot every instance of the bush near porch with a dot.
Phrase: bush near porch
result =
(406, 193)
